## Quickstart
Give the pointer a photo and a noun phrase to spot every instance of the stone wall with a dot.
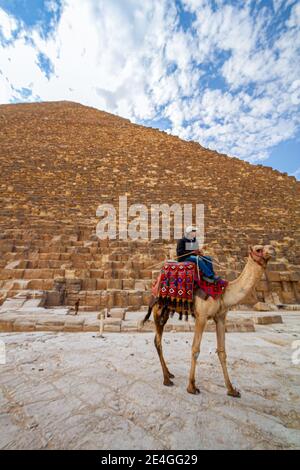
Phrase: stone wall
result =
(60, 160)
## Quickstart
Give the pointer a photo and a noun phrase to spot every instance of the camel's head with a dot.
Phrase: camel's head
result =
(262, 253)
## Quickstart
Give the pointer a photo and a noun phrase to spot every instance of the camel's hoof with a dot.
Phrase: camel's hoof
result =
(171, 376)
(168, 383)
(193, 390)
(234, 393)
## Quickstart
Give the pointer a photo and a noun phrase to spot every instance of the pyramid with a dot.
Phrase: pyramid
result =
(61, 160)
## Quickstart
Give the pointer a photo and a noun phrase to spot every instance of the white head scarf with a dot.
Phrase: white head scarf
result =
(189, 229)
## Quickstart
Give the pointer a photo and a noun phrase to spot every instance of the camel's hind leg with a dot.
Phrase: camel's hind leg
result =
(199, 328)
(220, 327)
(161, 316)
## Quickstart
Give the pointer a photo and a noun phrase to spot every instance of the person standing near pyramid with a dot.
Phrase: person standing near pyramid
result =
(77, 306)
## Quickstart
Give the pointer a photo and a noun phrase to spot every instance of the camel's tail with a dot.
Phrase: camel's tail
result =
(152, 302)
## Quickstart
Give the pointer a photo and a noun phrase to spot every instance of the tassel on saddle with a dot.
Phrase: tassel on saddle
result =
(180, 306)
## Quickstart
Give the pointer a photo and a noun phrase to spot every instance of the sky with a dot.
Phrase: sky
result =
(224, 73)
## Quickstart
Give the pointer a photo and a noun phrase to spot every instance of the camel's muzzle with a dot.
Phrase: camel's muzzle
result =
(269, 252)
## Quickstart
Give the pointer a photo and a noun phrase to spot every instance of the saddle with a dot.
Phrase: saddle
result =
(176, 283)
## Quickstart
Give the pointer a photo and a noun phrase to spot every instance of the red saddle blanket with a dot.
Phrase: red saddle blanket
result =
(177, 281)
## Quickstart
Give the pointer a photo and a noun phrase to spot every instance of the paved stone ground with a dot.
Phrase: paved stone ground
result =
(76, 390)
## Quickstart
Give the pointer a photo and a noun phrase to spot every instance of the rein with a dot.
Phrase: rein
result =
(200, 256)
(262, 262)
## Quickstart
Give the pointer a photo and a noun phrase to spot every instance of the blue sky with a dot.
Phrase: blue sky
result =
(221, 72)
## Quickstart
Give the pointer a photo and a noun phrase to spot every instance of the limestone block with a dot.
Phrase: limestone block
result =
(38, 274)
(121, 274)
(101, 284)
(209, 327)
(247, 326)
(184, 326)
(276, 287)
(129, 328)
(285, 276)
(146, 297)
(6, 325)
(140, 285)
(73, 325)
(107, 274)
(36, 284)
(47, 284)
(73, 284)
(240, 325)
(273, 276)
(148, 326)
(70, 274)
(146, 274)
(295, 276)
(96, 273)
(262, 286)
(272, 298)
(288, 297)
(135, 299)
(104, 299)
(112, 327)
(49, 325)
(264, 307)
(89, 284)
(277, 266)
(114, 284)
(11, 274)
(287, 286)
(53, 298)
(121, 298)
(117, 313)
(93, 299)
(128, 283)
(24, 325)
(91, 325)
(267, 319)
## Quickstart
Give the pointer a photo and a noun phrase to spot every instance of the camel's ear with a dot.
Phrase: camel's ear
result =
(250, 248)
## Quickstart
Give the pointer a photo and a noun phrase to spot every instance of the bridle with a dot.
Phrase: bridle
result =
(258, 258)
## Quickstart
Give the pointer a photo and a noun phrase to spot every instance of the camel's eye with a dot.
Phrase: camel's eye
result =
(259, 250)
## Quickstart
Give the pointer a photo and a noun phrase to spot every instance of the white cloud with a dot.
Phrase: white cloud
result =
(297, 173)
(7, 24)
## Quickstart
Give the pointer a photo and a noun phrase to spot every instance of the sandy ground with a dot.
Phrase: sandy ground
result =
(78, 391)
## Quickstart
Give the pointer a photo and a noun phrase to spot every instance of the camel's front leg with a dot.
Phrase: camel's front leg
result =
(199, 328)
(220, 327)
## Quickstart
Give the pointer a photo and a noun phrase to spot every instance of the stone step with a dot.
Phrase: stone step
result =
(44, 321)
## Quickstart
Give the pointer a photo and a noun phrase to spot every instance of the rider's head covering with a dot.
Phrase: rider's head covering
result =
(190, 228)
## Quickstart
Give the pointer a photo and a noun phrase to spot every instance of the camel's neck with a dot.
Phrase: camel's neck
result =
(238, 289)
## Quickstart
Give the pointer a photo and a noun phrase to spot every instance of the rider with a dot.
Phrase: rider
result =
(188, 249)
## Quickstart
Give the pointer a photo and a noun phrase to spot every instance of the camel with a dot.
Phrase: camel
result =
(215, 309)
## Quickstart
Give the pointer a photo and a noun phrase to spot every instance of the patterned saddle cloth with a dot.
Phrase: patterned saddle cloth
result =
(177, 281)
